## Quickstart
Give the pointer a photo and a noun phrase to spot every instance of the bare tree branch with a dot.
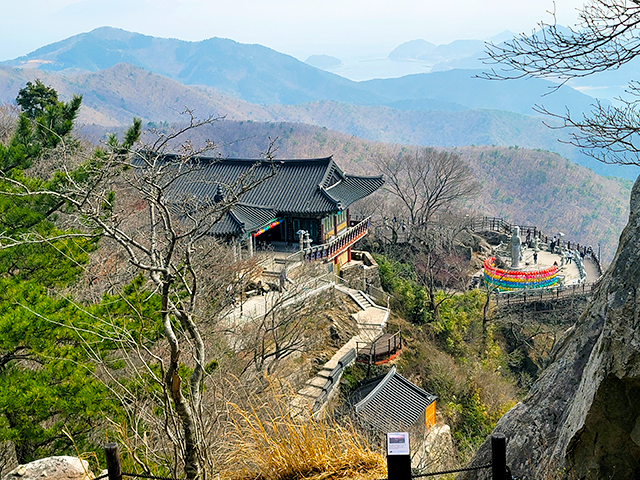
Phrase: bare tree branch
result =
(605, 38)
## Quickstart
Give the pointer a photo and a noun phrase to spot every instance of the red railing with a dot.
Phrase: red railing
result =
(334, 247)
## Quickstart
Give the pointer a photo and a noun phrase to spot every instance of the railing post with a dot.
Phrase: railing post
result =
(498, 456)
(113, 461)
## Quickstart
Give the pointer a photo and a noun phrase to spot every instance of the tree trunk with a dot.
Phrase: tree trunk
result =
(173, 381)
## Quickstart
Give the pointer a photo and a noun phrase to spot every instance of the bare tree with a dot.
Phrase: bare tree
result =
(287, 325)
(606, 37)
(429, 184)
(427, 181)
(532, 331)
(8, 118)
(439, 262)
(171, 236)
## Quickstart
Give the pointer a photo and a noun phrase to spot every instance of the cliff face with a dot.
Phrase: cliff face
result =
(581, 420)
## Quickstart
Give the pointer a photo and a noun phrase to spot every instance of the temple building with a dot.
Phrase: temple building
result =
(295, 203)
(391, 403)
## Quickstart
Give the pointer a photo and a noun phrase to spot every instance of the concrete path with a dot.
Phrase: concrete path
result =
(569, 271)
(256, 306)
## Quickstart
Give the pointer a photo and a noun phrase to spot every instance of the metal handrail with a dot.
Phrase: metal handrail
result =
(498, 224)
(544, 294)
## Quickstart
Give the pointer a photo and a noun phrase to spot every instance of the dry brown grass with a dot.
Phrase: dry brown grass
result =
(269, 444)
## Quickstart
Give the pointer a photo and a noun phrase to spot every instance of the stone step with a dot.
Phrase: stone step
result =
(370, 323)
(362, 300)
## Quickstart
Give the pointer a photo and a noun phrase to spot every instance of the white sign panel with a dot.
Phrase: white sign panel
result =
(398, 443)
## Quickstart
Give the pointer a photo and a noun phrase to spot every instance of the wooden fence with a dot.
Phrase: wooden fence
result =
(543, 294)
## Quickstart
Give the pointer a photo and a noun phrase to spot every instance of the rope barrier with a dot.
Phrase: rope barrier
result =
(445, 472)
(141, 475)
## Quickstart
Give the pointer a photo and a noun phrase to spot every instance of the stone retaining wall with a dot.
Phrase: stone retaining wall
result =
(361, 272)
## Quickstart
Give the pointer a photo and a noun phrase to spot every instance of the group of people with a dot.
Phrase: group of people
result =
(554, 247)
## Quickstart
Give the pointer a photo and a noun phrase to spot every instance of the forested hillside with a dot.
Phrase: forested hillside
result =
(535, 187)
(114, 317)
(115, 325)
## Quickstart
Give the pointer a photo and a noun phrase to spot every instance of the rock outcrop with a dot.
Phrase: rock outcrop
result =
(581, 420)
(52, 468)
(436, 453)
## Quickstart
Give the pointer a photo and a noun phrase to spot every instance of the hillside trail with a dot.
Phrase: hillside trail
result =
(371, 320)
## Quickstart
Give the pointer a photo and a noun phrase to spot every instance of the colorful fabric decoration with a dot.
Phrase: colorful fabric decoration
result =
(273, 223)
(515, 280)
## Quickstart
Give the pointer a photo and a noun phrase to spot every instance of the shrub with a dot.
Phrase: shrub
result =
(268, 443)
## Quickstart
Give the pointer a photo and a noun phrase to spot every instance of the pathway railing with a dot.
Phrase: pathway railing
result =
(333, 379)
(543, 294)
(334, 247)
(497, 224)
(370, 352)
(298, 292)
(379, 296)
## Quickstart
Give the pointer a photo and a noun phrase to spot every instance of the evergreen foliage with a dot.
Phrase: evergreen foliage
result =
(45, 123)
(50, 398)
(46, 384)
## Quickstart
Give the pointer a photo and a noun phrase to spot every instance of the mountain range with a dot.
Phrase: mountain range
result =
(261, 75)
(472, 55)
(123, 74)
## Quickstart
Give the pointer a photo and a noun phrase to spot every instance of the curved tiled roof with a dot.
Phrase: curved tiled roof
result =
(391, 403)
(299, 187)
(243, 218)
(353, 188)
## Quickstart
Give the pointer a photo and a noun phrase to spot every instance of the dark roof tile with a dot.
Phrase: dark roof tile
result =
(303, 187)
(391, 402)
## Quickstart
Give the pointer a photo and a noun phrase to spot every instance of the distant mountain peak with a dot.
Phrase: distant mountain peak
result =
(411, 49)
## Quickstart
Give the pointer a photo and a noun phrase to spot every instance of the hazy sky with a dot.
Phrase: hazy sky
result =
(343, 28)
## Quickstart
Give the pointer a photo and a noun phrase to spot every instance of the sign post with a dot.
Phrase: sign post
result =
(398, 456)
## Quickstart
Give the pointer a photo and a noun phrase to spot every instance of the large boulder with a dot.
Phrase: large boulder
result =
(52, 468)
(477, 243)
(581, 419)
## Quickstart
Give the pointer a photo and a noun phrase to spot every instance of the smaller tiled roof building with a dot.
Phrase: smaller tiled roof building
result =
(391, 403)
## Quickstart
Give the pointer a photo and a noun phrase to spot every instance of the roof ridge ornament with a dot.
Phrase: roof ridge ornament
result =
(219, 195)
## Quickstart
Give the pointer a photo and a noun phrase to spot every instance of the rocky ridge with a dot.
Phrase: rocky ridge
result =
(581, 420)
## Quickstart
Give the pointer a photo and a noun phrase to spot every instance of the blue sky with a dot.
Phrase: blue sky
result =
(343, 28)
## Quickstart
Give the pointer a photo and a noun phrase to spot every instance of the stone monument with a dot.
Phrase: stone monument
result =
(516, 245)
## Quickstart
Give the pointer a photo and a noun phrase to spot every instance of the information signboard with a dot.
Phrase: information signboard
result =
(398, 443)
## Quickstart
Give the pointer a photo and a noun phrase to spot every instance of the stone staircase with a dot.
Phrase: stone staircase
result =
(372, 316)
(371, 320)
(362, 299)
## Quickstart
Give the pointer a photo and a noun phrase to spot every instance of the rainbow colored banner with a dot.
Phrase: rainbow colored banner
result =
(516, 280)
(273, 223)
